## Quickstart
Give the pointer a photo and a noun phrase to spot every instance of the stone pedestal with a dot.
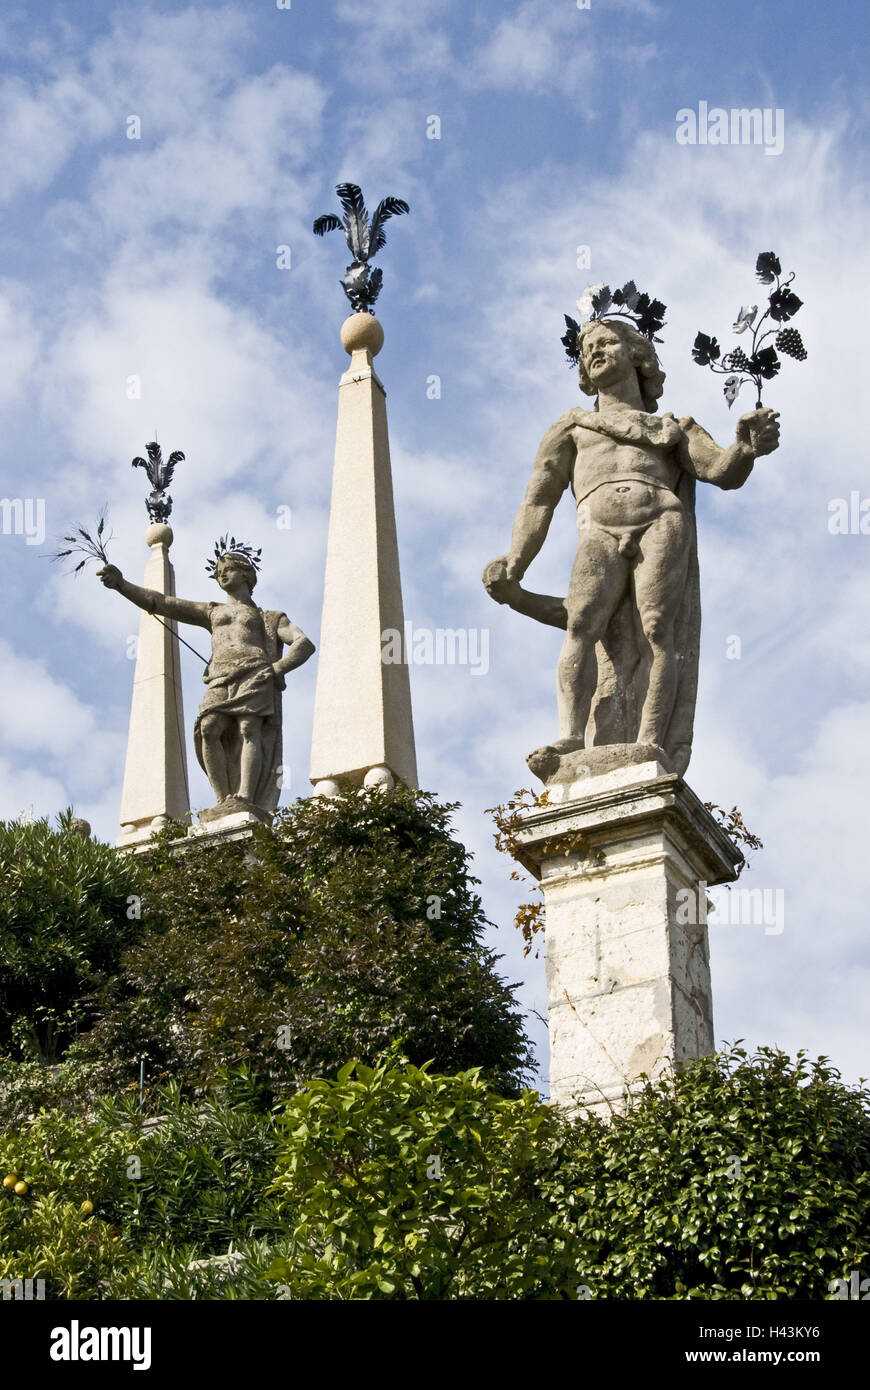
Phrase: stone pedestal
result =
(622, 859)
(155, 774)
(363, 731)
(236, 825)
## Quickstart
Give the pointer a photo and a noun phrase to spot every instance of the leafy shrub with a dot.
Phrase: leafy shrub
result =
(349, 928)
(403, 1184)
(67, 909)
(742, 1177)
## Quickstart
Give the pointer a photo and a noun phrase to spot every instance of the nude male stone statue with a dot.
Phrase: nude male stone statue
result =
(627, 675)
(238, 729)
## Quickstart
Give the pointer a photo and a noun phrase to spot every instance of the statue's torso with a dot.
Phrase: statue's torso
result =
(602, 462)
(239, 640)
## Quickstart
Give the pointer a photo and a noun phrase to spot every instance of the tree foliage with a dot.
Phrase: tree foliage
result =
(65, 916)
(741, 1177)
(350, 928)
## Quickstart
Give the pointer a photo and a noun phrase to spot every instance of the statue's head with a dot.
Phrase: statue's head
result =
(230, 566)
(234, 560)
(607, 346)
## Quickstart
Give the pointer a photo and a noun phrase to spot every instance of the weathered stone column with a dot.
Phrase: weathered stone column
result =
(622, 859)
(155, 774)
(363, 729)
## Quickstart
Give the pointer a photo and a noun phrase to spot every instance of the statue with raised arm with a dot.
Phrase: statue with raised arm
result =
(238, 732)
(628, 671)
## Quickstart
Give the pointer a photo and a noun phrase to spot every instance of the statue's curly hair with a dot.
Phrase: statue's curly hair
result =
(239, 560)
(650, 377)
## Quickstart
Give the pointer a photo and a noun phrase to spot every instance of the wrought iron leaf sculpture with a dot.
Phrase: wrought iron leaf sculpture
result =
(228, 545)
(92, 547)
(159, 474)
(600, 302)
(759, 363)
(365, 238)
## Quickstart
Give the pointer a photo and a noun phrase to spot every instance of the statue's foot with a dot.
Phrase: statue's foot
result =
(232, 805)
(545, 762)
(567, 745)
(568, 760)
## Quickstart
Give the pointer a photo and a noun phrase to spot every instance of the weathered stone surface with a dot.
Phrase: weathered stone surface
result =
(556, 765)
(238, 730)
(362, 708)
(628, 671)
(155, 774)
(628, 971)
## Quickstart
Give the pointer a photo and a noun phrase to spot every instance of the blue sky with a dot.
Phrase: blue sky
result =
(157, 257)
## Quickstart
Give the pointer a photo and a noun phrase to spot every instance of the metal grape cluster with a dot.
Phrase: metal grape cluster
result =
(761, 362)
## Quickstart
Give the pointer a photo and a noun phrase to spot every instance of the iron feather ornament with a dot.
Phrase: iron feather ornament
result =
(365, 238)
(159, 474)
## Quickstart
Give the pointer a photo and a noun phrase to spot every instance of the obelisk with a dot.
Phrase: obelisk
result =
(155, 774)
(363, 728)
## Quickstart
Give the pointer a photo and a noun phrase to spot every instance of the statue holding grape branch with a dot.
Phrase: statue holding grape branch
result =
(628, 672)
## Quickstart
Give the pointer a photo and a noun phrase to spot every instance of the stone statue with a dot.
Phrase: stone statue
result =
(628, 672)
(238, 731)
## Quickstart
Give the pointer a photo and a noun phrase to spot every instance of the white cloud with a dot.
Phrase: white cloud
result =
(40, 713)
(19, 342)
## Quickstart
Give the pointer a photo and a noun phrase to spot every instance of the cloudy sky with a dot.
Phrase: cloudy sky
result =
(157, 258)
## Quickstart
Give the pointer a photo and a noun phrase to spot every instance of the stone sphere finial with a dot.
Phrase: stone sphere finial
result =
(380, 778)
(159, 533)
(79, 826)
(362, 333)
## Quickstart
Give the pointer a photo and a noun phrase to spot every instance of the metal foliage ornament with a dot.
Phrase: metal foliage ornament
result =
(365, 239)
(159, 503)
(92, 547)
(760, 361)
(601, 303)
(228, 545)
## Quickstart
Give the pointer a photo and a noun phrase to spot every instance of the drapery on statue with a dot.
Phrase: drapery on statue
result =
(628, 672)
(238, 732)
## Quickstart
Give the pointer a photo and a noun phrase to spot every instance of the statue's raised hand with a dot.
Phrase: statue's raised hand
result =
(496, 582)
(759, 431)
(111, 576)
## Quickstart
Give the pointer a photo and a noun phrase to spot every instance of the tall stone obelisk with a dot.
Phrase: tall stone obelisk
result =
(363, 729)
(155, 774)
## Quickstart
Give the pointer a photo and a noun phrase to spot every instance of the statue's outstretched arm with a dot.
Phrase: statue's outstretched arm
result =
(181, 609)
(700, 455)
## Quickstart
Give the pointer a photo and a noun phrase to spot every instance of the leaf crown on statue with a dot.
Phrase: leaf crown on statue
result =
(599, 303)
(228, 545)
